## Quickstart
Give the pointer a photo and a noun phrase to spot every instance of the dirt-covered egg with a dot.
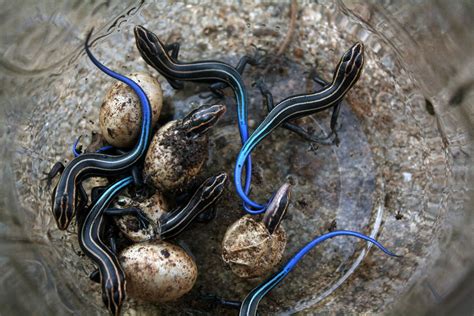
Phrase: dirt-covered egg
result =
(163, 224)
(158, 271)
(154, 207)
(180, 148)
(203, 198)
(253, 248)
(120, 113)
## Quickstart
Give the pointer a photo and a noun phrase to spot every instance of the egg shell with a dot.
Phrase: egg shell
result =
(154, 207)
(158, 271)
(93, 182)
(173, 160)
(120, 114)
(250, 250)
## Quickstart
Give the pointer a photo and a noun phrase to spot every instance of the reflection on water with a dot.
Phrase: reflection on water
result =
(400, 172)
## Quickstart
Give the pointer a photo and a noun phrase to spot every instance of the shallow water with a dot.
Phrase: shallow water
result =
(399, 174)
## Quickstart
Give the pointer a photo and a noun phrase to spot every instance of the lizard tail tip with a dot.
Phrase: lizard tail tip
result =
(89, 34)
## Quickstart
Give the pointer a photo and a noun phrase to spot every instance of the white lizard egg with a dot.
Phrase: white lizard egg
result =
(158, 271)
(120, 114)
(173, 159)
(250, 250)
(153, 207)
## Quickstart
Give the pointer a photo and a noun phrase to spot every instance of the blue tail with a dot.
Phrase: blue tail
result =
(296, 258)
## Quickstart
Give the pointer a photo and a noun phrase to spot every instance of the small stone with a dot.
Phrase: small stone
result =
(298, 53)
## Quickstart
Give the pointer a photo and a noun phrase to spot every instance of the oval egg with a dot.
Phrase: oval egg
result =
(120, 113)
(154, 207)
(158, 271)
(250, 250)
(174, 160)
